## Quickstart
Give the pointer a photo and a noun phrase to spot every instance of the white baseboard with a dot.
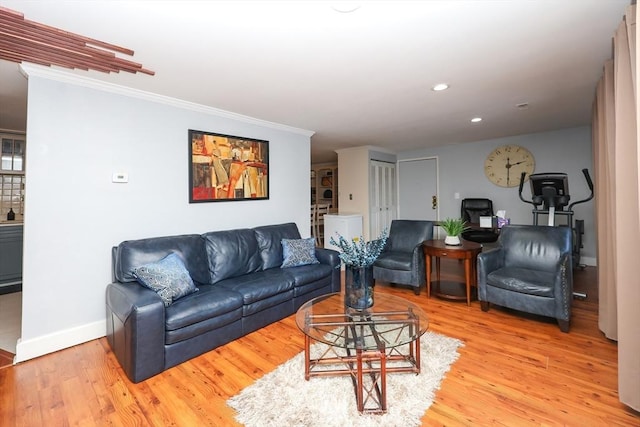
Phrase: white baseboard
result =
(587, 260)
(39, 346)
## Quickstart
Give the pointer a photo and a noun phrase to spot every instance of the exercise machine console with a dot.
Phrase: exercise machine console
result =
(550, 196)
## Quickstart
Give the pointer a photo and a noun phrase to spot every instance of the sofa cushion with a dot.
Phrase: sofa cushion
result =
(308, 278)
(308, 273)
(297, 252)
(134, 253)
(209, 309)
(259, 286)
(211, 301)
(532, 282)
(270, 242)
(168, 277)
(232, 253)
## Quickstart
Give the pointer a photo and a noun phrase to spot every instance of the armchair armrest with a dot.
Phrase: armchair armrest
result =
(563, 288)
(136, 329)
(488, 261)
(418, 273)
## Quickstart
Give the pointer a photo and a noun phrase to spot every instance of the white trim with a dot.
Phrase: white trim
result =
(588, 260)
(46, 344)
(65, 77)
(369, 148)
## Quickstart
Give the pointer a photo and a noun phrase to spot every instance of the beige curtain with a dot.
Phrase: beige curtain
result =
(605, 196)
(617, 165)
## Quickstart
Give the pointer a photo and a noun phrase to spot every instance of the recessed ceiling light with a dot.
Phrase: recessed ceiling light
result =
(345, 6)
(476, 119)
(440, 86)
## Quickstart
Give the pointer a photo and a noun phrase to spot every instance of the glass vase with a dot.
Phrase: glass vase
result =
(358, 287)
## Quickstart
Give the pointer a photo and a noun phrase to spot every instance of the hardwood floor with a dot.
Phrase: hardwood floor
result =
(514, 370)
(6, 358)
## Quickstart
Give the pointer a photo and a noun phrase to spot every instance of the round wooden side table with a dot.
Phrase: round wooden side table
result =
(467, 251)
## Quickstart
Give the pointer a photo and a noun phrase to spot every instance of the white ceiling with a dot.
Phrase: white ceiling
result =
(359, 78)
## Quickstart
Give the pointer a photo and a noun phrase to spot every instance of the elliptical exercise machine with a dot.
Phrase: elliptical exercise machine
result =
(551, 190)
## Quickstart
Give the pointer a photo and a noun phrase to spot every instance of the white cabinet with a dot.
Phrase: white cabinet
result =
(10, 254)
(348, 226)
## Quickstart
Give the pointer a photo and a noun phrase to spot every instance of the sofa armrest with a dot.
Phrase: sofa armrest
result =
(136, 329)
(331, 258)
(488, 261)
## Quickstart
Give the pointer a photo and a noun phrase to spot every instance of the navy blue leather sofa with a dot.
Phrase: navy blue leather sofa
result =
(241, 289)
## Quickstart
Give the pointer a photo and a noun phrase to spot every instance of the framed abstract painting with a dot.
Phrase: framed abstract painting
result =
(224, 168)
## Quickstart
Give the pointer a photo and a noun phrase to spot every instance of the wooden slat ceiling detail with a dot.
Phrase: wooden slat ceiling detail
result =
(24, 40)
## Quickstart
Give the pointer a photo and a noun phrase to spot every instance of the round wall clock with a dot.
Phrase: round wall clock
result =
(505, 164)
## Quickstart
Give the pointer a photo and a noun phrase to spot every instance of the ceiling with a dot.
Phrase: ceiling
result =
(357, 78)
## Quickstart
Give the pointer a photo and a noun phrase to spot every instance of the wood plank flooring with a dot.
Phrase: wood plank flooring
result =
(514, 370)
(6, 358)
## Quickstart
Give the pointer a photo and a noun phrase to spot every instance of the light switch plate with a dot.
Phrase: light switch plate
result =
(120, 177)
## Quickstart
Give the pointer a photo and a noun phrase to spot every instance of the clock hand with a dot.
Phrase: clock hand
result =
(517, 163)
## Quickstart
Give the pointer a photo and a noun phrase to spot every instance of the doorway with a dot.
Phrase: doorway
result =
(13, 121)
(418, 189)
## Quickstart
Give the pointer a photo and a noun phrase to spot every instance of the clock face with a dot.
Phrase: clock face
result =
(505, 165)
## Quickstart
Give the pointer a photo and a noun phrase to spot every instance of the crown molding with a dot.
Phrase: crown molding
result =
(65, 77)
(368, 148)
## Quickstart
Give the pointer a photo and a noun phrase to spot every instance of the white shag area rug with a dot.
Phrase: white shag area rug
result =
(284, 398)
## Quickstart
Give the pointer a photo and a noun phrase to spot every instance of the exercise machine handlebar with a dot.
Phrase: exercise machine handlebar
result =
(522, 177)
(587, 177)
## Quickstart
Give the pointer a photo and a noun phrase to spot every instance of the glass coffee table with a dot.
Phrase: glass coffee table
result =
(364, 344)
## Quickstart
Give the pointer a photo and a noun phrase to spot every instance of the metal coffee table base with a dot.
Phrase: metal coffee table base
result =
(367, 368)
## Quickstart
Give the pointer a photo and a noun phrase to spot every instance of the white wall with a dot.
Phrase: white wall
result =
(461, 169)
(353, 184)
(79, 132)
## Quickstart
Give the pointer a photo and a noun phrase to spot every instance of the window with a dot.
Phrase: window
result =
(12, 177)
(12, 154)
(11, 194)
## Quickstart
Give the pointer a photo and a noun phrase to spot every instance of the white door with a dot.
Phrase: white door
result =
(382, 198)
(418, 189)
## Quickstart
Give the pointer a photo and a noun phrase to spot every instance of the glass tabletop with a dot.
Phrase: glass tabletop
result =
(391, 322)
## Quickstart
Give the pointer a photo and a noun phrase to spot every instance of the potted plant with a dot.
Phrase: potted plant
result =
(454, 228)
(358, 257)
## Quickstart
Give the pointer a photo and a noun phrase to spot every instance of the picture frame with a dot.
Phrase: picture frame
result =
(225, 168)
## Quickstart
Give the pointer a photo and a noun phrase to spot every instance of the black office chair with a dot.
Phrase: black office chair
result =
(470, 211)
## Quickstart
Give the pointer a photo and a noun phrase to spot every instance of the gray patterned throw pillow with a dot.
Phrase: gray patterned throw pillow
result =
(297, 252)
(168, 277)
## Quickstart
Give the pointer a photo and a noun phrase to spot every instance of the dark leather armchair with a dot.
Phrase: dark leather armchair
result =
(470, 211)
(402, 260)
(529, 271)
